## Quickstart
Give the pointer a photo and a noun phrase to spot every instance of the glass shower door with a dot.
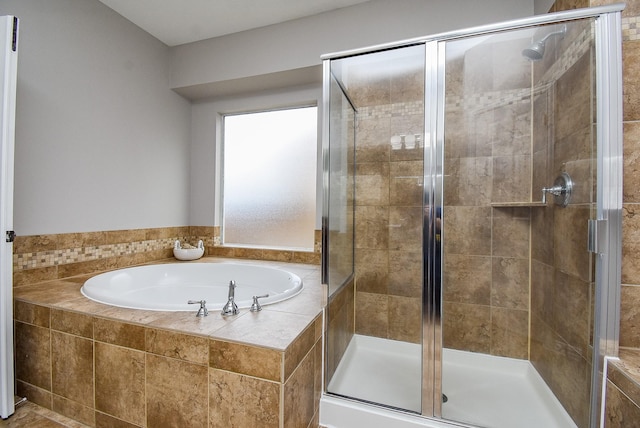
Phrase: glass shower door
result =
(375, 356)
(519, 193)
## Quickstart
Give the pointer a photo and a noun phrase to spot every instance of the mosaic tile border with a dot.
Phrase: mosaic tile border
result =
(631, 28)
(73, 248)
(42, 259)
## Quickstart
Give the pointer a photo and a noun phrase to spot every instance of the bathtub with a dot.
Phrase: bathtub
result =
(168, 287)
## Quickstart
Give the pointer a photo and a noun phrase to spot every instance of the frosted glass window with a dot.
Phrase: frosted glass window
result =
(269, 194)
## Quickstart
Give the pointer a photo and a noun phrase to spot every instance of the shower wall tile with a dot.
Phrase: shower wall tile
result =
(542, 291)
(630, 243)
(575, 146)
(630, 81)
(509, 70)
(546, 348)
(630, 316)
(372, 314)
(389, 195)
(373, 139)
(474, 181)
(510, 333)
(372, 270)
(372, 184)
(572, 308)
(573, 99)
(510, 132)
(510, 233)
(571, 380)
(340, 326)
(510, 283)
(631, 180)
(408, 86)
(511, 179)
(570, 241)
(405, 273)
(405, 187)
(369, 90)
(542, 235)
(371, 227)
(405, 319)
(467, 279)
(467, 327)
(468, 230)
(405, 225)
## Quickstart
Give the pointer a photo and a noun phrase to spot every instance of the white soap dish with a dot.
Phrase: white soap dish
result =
(188, 253)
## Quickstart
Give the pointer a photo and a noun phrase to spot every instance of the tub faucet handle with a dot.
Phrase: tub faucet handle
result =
(202, 312)
(230, 308)
(255, 306)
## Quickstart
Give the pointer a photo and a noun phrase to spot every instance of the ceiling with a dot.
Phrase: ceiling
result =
(176, 22)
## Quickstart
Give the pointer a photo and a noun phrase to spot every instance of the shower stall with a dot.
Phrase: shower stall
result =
(472, 225)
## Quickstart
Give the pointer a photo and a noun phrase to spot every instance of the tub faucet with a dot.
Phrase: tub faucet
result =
(202, 312)
(231, 308)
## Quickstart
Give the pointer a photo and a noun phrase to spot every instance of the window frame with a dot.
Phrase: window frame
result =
(221, 189)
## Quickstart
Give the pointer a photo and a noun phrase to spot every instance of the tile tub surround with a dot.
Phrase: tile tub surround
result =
(47, 257)
(106, 366)
(623, 391)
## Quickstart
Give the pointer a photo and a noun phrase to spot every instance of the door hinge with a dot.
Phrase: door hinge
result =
(597, 235)
(14, 40)
(11, 235)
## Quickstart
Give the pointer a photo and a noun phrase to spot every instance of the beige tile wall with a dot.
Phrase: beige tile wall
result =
(45, 257)
(340, 326)
(623, 386)
(487, 161)
(562, 277)
(388, 213)
(105, 372)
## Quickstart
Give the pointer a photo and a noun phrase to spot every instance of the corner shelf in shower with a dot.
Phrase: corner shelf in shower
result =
(518, 204)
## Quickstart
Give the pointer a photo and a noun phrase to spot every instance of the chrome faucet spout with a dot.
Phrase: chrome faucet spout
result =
(230, 308)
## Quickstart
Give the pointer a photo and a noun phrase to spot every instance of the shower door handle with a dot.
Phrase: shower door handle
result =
(597, 233)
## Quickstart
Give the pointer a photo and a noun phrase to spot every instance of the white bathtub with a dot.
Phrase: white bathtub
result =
(168, 287)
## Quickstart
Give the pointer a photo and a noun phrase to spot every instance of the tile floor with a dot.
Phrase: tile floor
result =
(32, 415)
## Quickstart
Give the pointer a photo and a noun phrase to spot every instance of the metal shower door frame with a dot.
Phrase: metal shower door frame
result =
(608, 243)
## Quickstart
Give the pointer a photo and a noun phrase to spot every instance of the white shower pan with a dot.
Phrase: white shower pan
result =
(482, 390)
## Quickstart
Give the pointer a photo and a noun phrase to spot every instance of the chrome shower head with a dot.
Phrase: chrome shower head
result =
(535, 52)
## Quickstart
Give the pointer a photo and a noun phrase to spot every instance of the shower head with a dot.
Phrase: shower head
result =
(535, 52)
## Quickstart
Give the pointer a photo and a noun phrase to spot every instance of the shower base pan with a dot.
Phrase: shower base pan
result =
(481, 390)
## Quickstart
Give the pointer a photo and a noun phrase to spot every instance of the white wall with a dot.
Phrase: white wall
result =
(205, 155)
(102, 143)
(264, 57)
(542, 6)
(300, 43)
